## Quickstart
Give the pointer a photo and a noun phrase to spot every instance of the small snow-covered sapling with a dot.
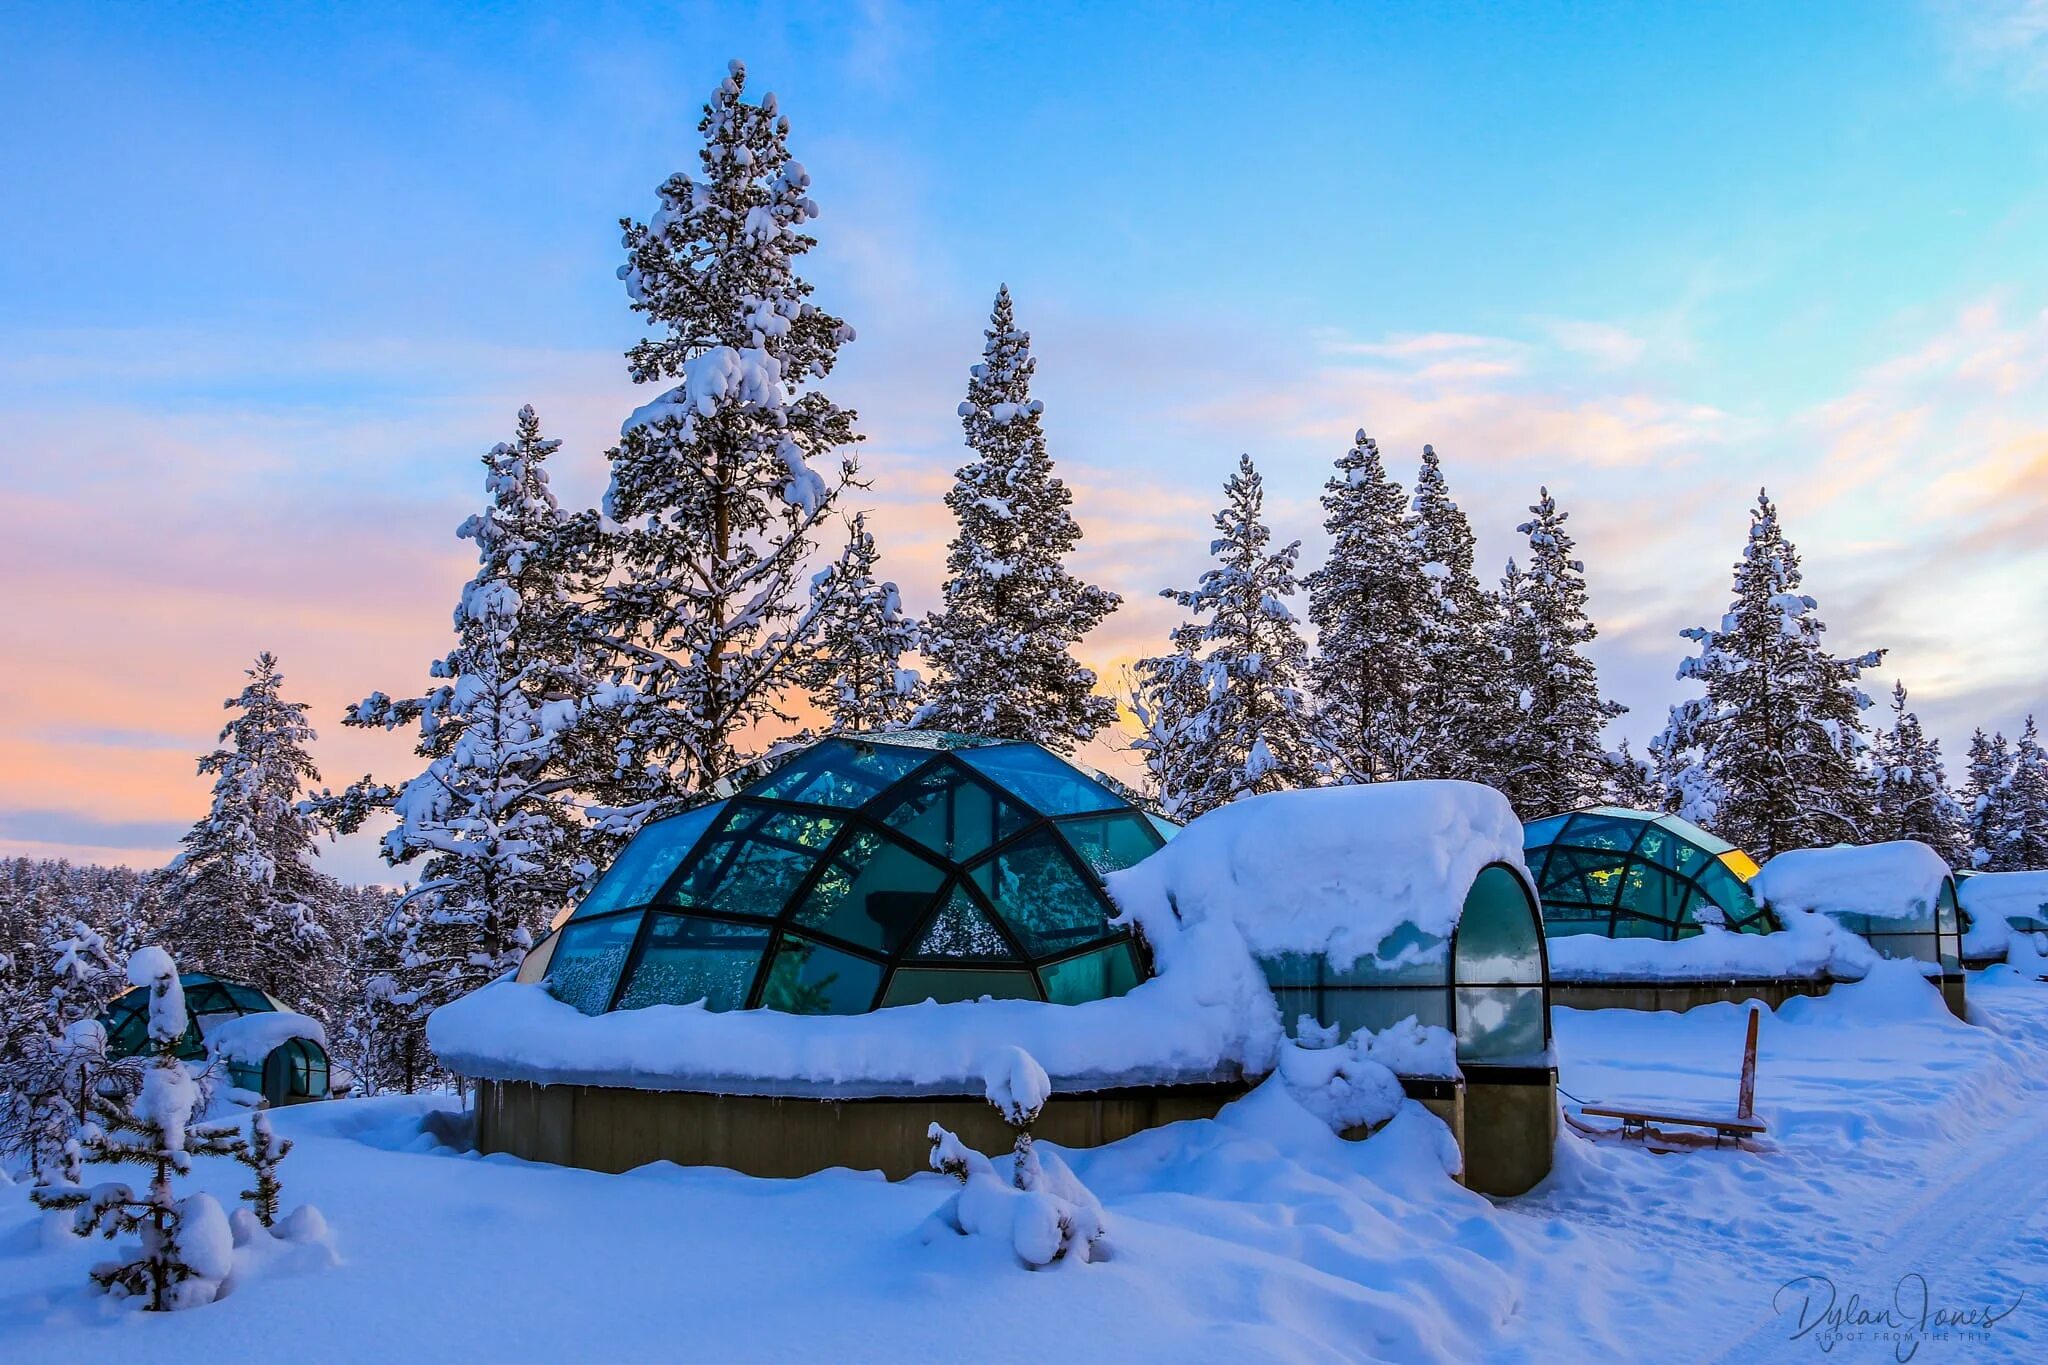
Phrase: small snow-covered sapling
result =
(186, 1249)
(1018, 1087)
(261, 1152)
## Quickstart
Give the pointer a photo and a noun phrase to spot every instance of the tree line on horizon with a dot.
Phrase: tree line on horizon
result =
(610, 664)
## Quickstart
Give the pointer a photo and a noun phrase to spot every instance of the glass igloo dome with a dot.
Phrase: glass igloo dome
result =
(863, 872)
(1638, 874)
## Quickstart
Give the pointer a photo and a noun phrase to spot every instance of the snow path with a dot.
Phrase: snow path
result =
(1903, 1142)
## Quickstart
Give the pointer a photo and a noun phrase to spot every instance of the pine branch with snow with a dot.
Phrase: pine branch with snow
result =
(1001, 643)
(857, 674)
(1913, 799)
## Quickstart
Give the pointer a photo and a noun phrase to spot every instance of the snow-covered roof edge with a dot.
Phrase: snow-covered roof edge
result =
(1898, 880)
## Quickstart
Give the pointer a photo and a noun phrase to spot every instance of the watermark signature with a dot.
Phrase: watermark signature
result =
(1906, 1319)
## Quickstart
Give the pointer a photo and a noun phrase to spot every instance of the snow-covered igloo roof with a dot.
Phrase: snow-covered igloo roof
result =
(1994, 899)
(1895, 881)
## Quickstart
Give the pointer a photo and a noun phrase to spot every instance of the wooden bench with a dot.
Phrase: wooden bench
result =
(1641, 1123)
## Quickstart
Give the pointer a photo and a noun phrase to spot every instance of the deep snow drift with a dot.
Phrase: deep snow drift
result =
(1256, 1235)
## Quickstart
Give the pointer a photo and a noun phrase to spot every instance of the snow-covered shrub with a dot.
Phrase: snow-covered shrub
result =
(261, 1152)
(1042, 1209)
(186, 1249)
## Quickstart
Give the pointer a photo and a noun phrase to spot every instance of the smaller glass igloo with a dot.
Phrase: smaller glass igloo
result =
(295, 1070)
(1638, 874)
(863, 872)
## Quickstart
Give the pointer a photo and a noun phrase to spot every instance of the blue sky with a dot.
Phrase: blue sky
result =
(271, 277)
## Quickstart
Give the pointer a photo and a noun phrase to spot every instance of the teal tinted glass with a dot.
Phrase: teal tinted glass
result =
(755, 859)
(960, 929)
(586, 965)
(839, 772)
(1500, 1024)
(686, 959)
(1727, 892)
(810, 978)
(1405, 956)
(1544, 831)
(1051, 786)
(874, 893)
(1048, 902)
(1498, 935)
(947, 985)
(1162, 826)
(954, 814)
(1098, 975)
(1602, 832)
(1109, 842)
(645, 863)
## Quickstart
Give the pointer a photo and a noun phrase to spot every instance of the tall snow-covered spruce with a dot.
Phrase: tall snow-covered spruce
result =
(1001, 643)
(715, 487)
(1550, 757)
(244, 899)
(1772, 754)
(1372, 613)
(856, 674)
(1460, 708)
(1226, 713)
(1913, 798)
(494, 820)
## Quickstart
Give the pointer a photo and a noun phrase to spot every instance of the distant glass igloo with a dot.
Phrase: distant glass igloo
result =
(862, 872)
(1638, 874)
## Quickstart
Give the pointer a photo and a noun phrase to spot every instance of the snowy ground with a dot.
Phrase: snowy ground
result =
(1903, 1144)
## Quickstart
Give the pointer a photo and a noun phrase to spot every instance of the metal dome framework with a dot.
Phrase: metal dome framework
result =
(1638, 874)
(297, 1069)
(863, 872)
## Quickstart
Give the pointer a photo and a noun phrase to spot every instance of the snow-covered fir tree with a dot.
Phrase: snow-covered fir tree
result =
(1550, 757)
(2026, 840)
(1253, 729)
(1772, 755)
(1987, 802)
(1001, 643)
(495, 821)
(1374, 615)
(244, 899)
(1167, 693)
(186, 1249)
(1633, 783)
(262, 1152)
(715, 484)
(1912, 792)
(856, 674)
(1459, 708)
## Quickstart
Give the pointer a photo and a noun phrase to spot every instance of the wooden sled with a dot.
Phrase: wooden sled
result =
(1653, 1128)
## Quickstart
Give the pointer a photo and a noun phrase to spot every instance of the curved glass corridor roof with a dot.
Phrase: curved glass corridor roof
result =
(1638, 874)
(862, 872)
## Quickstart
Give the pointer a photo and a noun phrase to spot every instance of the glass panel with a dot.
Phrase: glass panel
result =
(1602, 832)
(810, 978)
(1377, 1010)
(645, 863)
(1537, 833)
(1654, 893)
(1049, 904)
(1048, 784)
(961, 930)
(1720, 886)
(1109, 842)
(955, 814)
(1092, 976)
(1162, 826)
(874, 893)
(1628, 926)
(534, 965)
(687, 959)
(839, 772)
(1406, 957)
(911, 985)
(1498, 936)
(1500, 1023)
(1293, 969)
(1920, 946)
(587, 963)
(755, 860)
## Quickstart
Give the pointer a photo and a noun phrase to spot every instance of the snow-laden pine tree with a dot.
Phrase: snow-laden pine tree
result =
(1550, 757)
(244, 900)
(1772, 755)
(715, 484)
(1987, 802)
(1167, 692)
(856, 674)
(1913, 797)
(186, 1247)
(1633, 783)
(1374, 613)
(1001, 643)
(494, 822)
(1459, 708)
(2026, 840)
(1254, 731)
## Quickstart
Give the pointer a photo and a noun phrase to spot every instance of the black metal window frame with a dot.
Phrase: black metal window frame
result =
(854, 820)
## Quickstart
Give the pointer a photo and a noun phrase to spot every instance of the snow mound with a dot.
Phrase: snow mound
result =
(1900, 880)
(1890, 992)
(1804, 948)
(1993, 899)
(1328, 869)
(250, 1038)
